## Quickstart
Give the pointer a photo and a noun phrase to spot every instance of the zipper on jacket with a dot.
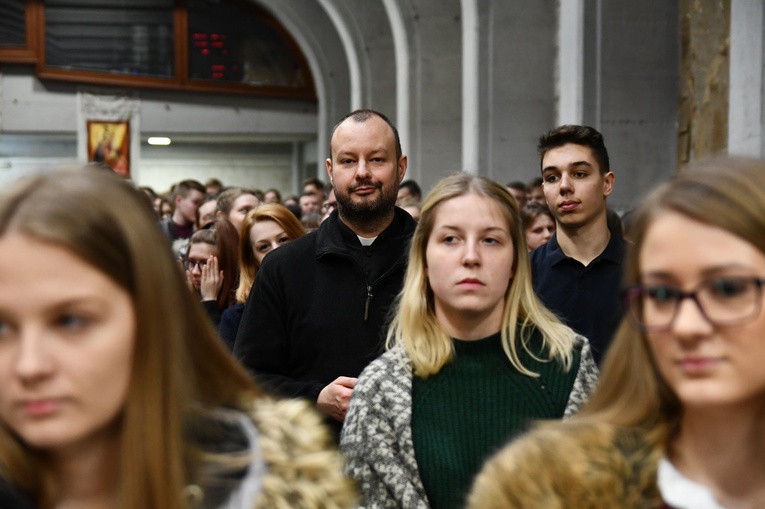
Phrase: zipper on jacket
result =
(369, 299)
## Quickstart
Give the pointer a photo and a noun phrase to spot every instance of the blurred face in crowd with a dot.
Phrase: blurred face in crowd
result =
(207, 212)
(166, 210)
(241, 206)
(539, 231)
(187, 207)
(314, 189)
(67, 334)
(714, 358)
(271, 197)
(363, 168)
(404, 193)
(310, 203)
(265, 236)
(536, 195)
(521, 197)
(469, 259)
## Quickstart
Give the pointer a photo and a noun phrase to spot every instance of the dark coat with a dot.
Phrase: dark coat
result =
(319, 306)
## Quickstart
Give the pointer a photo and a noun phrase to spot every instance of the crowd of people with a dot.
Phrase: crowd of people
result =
(366, 344)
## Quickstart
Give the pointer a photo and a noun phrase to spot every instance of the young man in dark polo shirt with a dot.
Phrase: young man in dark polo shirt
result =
(577, 274)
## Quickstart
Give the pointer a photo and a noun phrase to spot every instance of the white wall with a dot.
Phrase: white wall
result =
(241, 140)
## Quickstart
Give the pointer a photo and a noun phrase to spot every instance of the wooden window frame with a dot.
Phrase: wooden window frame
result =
(34, 53)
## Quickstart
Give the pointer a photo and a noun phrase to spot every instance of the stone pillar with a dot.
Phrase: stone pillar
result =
(704, 83)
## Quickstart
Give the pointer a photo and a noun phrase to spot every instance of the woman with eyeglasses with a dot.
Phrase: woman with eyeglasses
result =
(211, 267)
(678, 419)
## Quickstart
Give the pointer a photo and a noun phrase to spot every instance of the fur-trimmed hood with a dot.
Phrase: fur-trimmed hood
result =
(573, 466)
(304, 466)
(277, 455)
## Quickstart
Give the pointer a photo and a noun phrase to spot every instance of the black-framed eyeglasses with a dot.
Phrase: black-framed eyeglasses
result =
(190, 264)
(723, 301)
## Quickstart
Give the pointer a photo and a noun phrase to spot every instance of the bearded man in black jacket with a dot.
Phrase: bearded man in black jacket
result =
(318, 310)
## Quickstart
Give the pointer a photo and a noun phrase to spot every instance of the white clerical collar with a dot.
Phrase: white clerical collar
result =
(367, 241)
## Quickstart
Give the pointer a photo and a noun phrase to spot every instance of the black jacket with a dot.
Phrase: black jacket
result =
(319, 306)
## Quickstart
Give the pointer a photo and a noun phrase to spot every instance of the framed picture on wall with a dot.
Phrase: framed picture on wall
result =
(109, 143)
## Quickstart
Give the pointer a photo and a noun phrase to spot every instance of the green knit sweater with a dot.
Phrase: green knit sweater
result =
(473, 406)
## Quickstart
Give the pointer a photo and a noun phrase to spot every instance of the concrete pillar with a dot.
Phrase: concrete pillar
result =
(745, 119)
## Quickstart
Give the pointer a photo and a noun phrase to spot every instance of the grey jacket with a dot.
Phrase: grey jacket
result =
(377, 434)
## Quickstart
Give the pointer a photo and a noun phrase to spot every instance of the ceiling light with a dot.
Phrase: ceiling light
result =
(159, 140)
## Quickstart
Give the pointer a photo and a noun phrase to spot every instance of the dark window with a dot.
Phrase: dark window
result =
(119, 37)
(229, 42)
(13, 31)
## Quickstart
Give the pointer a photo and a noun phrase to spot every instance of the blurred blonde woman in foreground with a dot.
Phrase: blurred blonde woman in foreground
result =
(114, 390)
(474, 358)
(678, 420)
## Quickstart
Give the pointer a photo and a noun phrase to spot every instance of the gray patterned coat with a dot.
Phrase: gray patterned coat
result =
(377, 434)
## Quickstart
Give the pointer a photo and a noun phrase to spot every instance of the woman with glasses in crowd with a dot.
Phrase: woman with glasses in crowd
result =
(678, 419)
(474, 358)
(211, 267)
(114, 390)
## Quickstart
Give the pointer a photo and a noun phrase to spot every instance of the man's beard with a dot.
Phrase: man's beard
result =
(366, 210)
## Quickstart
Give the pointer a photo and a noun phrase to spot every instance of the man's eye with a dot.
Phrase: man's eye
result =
(551, 178)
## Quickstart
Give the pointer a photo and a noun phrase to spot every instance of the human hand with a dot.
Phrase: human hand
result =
(334, 399)
(212, 279)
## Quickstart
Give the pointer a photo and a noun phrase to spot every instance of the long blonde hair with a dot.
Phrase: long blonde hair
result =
(727, 193)
(248, 262)
(179, 365)
(415, 327)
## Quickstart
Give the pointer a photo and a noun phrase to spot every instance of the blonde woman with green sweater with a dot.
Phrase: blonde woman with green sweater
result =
(473, 356)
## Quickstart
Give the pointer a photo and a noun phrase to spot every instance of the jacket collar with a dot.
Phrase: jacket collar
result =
(333, 236)
(613, 253)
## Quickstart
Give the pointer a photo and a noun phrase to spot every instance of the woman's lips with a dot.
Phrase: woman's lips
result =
(471, 283)
(41, 407)
(698, 365)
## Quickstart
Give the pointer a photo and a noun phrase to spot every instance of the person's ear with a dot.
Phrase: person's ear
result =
(608, 183)
(402, 165)
(328, 163)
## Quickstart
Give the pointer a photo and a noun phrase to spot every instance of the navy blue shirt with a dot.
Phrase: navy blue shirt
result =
(586, 298)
